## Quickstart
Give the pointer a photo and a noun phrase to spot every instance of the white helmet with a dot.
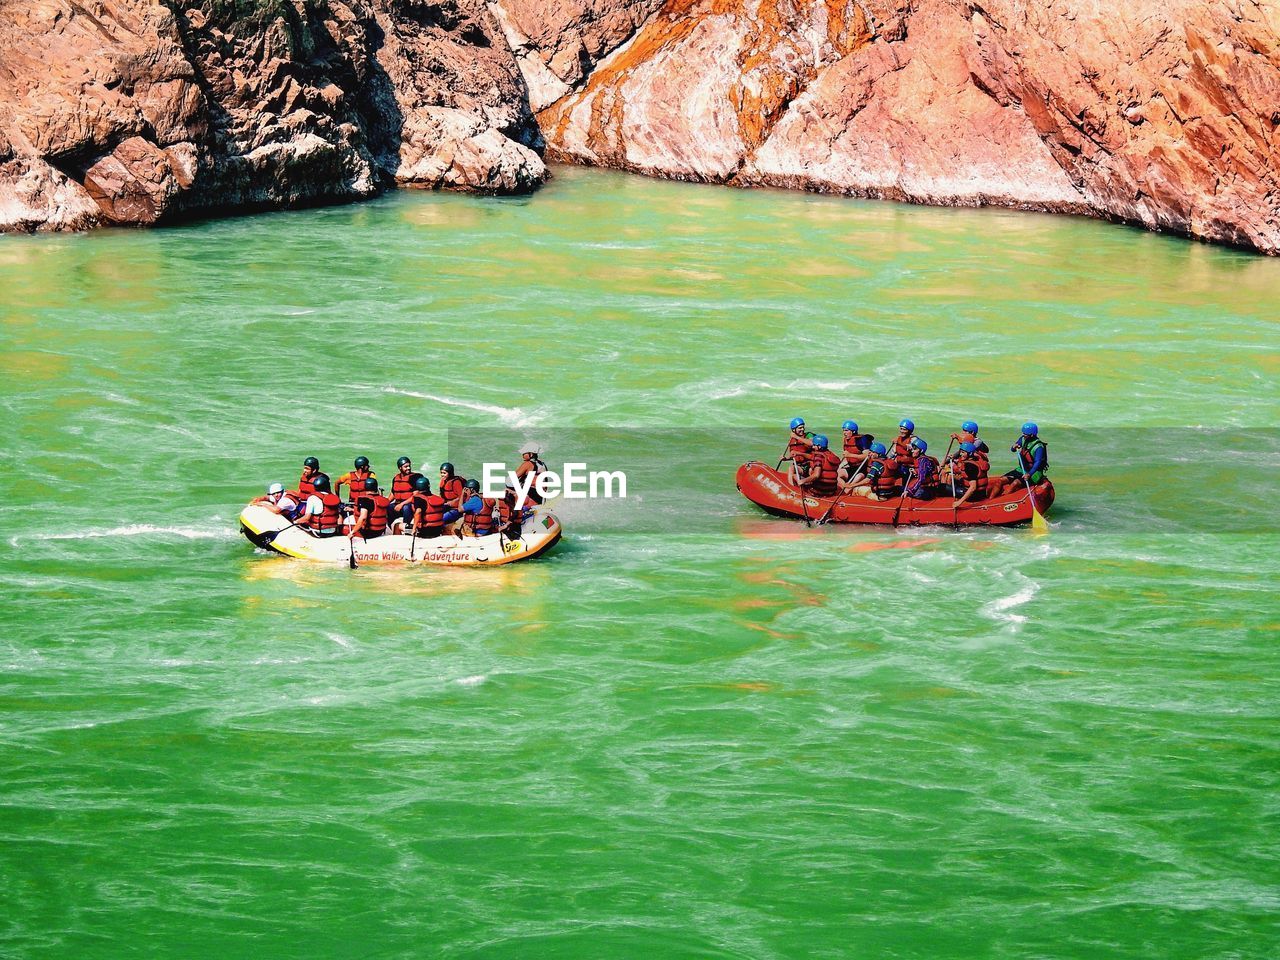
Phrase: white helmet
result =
(274, 489)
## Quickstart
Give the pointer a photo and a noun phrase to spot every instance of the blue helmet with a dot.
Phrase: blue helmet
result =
(1029, 429)
(907, 424)
(820, 442)
(797, 422)
(969, 447)
(850, 426)
(878, 449)
(919, 444)
(969, 427)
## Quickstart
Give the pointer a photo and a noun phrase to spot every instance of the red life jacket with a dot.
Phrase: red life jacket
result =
(451, 489)
(888, 478)
(432, 508)
(355, 484)
(851, 448)
(377, 505)
(902, 450)
(797, 449)
(482, 519)
(825, 468)
(331, 516)
(305, 487)
(402, 486)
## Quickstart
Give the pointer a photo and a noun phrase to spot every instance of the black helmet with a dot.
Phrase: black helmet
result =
(447, 467)
(311, 462)
(320, 483)
(402, 461)
(472, 485)
(371, 485)
(421, 483)
(361, 463)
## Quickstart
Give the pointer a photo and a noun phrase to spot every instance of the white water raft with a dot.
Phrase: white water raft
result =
(539, 533)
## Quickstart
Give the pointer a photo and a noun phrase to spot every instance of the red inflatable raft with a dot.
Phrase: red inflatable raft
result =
(770, 489)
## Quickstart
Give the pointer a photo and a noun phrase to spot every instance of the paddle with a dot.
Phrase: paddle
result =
(269, 537)
(836, 502)
(905, 483)
(1038, 523)
(351, 557)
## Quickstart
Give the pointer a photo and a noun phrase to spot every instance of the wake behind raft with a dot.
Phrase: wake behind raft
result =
(773, 490)
(539, 532)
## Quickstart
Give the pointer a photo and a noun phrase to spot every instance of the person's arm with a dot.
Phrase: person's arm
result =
(360, 519)
(968, 492)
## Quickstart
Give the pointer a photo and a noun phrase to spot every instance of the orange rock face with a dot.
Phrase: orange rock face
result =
(1162, 114)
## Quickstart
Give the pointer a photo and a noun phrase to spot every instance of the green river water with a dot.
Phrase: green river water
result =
(692, 731)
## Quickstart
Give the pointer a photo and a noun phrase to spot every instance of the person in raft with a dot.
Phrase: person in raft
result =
(799, 446)
(968, 433)
(901, 450)
(966, 474)
(856, 451)
(452, 486)
(322, 513)
(279, 502)
(511, 517)
(428, 510)
(370, 511)
(355, 478)
(922, 471)
(402, 488)
(1033, 460)
(823, 474)
(476, 512)
(310, 467)
(879, 479)
(529, 463)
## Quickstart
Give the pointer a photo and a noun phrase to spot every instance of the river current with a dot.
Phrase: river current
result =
(692, 731)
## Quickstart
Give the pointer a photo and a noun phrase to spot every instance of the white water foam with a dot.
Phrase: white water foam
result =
(474, 681)
(132, 530)
(510, 416)
(1002, 609)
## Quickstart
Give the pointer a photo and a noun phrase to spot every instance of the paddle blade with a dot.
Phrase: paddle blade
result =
(1038, 523)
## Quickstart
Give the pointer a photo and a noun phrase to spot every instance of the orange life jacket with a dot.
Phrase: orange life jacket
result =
(798, 450)
(825, 468)
(331, 516)
(377, 505)
(402, 486)
(451, 489)
(888, 478)
(355, 484)
(481, 520)
(432, 508)
(305, 487)
(902, 451)
(851, 448)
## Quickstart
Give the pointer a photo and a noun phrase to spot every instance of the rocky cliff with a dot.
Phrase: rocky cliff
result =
(1157, 113)
(1162, 113)
(136, 111)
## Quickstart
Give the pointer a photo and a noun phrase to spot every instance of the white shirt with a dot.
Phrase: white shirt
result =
(286, 504)
(315, 506)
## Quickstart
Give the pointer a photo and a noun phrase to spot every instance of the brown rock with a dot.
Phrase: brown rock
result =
(1163, 114)
(125, 111)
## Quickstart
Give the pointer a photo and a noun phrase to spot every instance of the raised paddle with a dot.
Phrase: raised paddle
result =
(905, 483)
